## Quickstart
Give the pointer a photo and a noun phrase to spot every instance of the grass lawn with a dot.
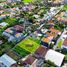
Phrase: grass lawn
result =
(65, 7)
(10, 21)
(59, 44)
(20, 51)
(65, 57)
(28, 1)
(27, 46)
(5, 47)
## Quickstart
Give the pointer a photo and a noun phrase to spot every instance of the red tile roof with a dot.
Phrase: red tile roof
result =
(66, 33)
(13, 65)
(18, 27)
(65, 42)
(30, 60)
(41, 51)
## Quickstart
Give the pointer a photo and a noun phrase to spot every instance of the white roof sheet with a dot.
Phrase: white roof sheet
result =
(55, 57)
(3, 24)
(6, 60)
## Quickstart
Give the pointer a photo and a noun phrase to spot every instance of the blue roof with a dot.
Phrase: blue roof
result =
(6, 60)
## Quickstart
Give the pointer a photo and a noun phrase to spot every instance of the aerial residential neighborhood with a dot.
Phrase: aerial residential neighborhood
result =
(33, 33)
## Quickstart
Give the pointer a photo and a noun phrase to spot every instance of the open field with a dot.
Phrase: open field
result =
(28, 1)
(27, 46)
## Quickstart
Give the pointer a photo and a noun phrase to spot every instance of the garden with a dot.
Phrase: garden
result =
(10, 20)
(59, 44)
(21, 51)
(65, 7)
(5, 47)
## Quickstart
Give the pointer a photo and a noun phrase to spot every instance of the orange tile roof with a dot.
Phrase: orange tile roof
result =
(54, 30)
(47, 40)
(51, 34)
(51, 22)
(60, 17)
(57, 1)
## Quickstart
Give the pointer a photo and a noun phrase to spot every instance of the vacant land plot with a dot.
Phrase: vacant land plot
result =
(27, 46)
(28, 1)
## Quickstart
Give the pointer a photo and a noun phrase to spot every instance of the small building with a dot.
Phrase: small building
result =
(30, 61)
(15, 33)
(1, 42)
(40, 62)
(64, 1)
(3, 24)
(51, 34)
(18, 28)
(1, 11)
(40, 52)
(62, 17)
(46, 41)
(64, 44)
(2, 65)
(13, 65)
(2, 17)
(54, 31)
(6, 60)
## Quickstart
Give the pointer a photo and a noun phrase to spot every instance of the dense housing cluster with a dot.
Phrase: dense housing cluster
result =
(33, 33)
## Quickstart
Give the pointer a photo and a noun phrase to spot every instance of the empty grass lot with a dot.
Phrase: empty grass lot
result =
(28, 1)
(27, 46)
